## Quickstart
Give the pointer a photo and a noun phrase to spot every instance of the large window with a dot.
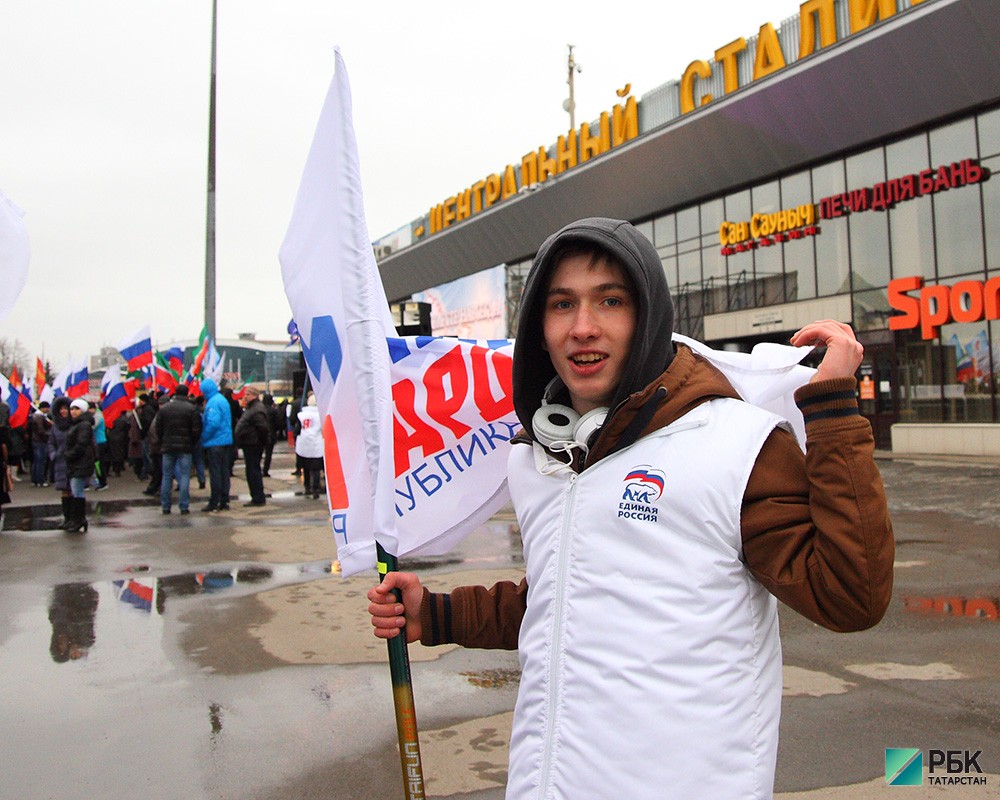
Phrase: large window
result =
(991, 212)
(713, 263)
(869, 230)
(739, 266)
(958, 221)
(665, 230)
(665, 241)
(688, 226)
(766, 199)
(989, 133)
(832, 255)
(911, 224)
(799, 255)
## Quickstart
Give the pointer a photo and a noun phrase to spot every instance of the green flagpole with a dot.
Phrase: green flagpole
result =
(402, 697)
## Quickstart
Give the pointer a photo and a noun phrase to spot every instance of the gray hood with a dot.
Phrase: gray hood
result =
(652, 349)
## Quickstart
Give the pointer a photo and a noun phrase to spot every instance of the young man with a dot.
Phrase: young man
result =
(178, 429)
(655, 544)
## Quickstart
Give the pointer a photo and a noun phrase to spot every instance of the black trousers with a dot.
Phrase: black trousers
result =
(255, 478)
(267, 457)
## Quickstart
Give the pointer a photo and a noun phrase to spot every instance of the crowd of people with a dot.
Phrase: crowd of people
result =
(166, 440)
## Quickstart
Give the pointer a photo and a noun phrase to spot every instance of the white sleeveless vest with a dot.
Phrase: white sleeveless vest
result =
(651, 664)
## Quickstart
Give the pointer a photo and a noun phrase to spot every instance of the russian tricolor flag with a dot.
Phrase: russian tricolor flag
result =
(17, 402)
(79, 380)
(115, 400)
(137, 349)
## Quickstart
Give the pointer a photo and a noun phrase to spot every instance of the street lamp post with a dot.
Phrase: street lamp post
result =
(210, 211)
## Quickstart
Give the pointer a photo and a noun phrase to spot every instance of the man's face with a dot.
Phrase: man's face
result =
(588, 324)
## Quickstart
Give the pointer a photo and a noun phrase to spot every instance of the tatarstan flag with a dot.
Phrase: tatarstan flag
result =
(200, 353)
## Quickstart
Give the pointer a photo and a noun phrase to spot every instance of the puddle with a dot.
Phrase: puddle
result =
(49, 517)
(78, 612)
(954, 606)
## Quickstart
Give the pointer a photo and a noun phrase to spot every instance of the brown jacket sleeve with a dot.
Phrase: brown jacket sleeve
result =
(474, 616)
(816, 528)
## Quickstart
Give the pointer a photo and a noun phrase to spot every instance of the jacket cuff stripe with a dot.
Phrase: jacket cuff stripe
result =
(435, 625)
(446, 603)
(830, 413)
(830, 397)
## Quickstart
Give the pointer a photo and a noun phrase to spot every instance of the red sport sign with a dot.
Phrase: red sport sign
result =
(937, 305)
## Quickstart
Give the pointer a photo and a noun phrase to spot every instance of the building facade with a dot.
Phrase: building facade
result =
(838, 166)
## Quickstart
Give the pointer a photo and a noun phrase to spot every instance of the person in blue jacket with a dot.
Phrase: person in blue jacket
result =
(216, 440)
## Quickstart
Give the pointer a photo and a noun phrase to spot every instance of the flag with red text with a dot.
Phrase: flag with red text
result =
(413, 428)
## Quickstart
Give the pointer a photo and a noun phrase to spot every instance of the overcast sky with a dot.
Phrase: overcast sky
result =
(104, 127)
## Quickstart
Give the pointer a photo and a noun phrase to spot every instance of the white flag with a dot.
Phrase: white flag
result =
(416, 429)
(14, 254)
(337, 299)
(60, 383)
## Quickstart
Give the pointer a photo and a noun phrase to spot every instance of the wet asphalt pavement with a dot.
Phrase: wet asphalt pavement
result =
(221, 656)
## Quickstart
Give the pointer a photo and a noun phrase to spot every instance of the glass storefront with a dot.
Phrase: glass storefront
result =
(943, 237)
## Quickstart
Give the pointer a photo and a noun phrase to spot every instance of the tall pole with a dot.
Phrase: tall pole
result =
(571, 103)
(210, 213)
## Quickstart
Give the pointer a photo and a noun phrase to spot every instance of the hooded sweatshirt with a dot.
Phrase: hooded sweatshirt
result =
(652, 349)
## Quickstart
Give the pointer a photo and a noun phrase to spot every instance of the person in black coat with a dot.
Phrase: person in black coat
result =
(145, 414)
(6, 486)
(276, 418)
(252, 434)
(178, 429)
(235, 410)
(61, 422)
(80, 459)
(118, 443)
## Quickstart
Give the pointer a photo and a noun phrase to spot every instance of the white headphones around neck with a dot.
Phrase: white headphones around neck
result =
(559, 427)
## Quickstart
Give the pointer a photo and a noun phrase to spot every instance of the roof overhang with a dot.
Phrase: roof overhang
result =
(931, 62)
